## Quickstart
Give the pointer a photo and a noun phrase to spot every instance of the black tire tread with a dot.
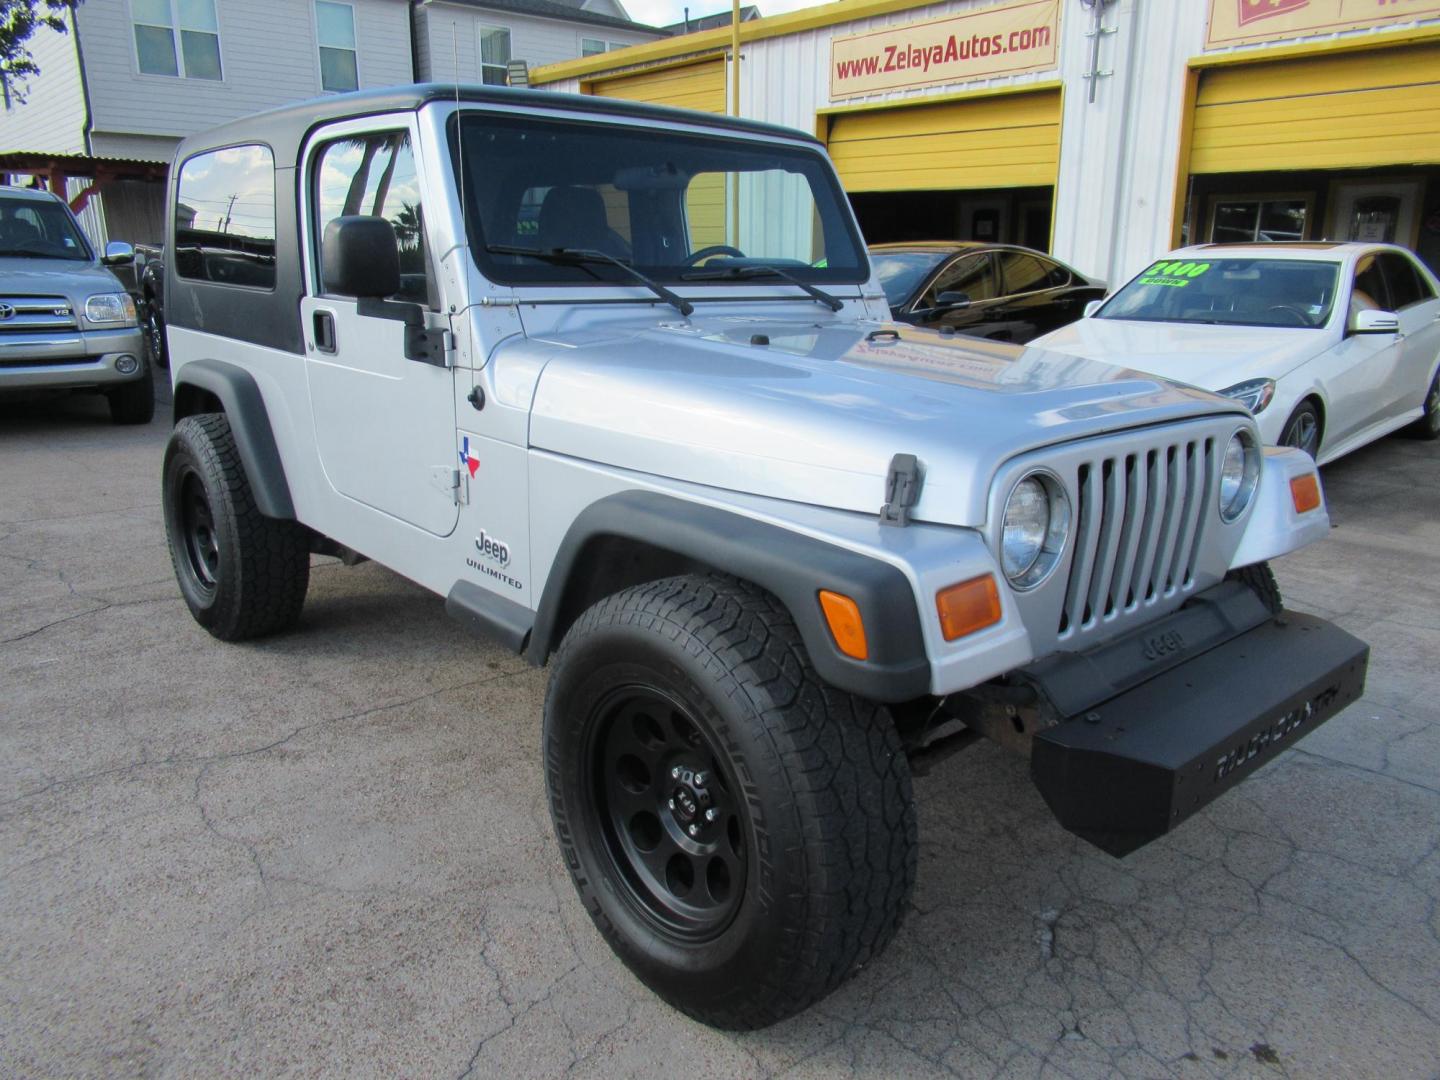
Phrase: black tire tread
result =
(847, 772)
(1261, 578)
(272, 557)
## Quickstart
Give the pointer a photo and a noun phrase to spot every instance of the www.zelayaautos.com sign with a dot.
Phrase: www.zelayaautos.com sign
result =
(1001, 40)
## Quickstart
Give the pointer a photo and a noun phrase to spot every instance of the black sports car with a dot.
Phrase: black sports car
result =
(986, 290)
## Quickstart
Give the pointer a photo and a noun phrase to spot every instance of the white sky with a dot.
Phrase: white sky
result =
(664, 12)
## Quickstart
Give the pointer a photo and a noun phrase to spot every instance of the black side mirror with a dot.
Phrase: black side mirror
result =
(360, 257)
(952, 299)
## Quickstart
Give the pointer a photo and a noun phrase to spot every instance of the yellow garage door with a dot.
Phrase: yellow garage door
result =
(694, 86)
(1012, 140)
(1341, 111)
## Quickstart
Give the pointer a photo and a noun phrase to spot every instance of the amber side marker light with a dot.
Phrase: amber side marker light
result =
(1305, 492)
(969, 606)
(846, 626)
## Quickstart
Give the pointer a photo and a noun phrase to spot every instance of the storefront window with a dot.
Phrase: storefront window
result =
(1244, 221)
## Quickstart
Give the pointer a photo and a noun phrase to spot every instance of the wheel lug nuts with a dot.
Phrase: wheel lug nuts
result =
(672, 804)
(711, 814)
(694, 830)
(675, 773)
(700, 779)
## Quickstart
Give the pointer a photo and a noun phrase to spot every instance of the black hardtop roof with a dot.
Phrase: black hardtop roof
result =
(285, 128)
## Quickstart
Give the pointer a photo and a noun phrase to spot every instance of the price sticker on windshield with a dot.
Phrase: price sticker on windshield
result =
(1174, 275)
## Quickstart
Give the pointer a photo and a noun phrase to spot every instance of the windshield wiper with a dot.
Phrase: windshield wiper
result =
(749, 270)
(577, 256)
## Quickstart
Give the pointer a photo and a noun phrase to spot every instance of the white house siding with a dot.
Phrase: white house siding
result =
(53, 118)
(446, 32)
(268, 57)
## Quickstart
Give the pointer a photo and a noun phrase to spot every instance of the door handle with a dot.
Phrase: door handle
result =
(324, 324)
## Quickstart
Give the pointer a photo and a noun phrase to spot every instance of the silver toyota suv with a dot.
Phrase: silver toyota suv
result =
(619, 383)
(66, 322)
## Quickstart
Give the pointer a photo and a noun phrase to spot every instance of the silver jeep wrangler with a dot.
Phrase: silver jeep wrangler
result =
(616, 380)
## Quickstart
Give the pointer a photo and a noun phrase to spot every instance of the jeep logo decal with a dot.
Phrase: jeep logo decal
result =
(492, 549)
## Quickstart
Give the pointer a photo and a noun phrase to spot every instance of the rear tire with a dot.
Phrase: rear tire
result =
(243, 575)
(698, 692)
(1428, 426)
(134, 402)
(154, 329)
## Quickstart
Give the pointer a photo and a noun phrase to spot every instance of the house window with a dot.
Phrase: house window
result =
(590, 46)
(157, 22)
(494, 54)
(335, 33)
(1246, 221)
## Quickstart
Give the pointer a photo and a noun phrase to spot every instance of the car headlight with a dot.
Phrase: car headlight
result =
(1033, 530)
(1254, 394)
(110, 308)
(1239, 472)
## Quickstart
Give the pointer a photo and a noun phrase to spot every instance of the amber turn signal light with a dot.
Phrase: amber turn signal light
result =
(1305, 492)
(846, 626)
(969, 606)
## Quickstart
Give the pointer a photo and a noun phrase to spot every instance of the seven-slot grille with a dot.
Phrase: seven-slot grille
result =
(1139, 521)
(35, 314)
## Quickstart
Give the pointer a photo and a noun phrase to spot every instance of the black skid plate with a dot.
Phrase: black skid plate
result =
(1131, 768)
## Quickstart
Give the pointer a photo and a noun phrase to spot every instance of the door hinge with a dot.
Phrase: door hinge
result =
(452, 482)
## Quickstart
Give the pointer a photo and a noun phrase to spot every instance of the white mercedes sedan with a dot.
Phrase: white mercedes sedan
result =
(1330, 345)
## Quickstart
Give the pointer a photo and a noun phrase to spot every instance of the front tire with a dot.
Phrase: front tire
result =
(243, 575)
(1303, 429)
(742, 834)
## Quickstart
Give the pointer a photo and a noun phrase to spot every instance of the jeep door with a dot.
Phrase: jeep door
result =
(384, 424)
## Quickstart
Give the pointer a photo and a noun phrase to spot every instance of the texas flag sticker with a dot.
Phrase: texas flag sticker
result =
(467, 459)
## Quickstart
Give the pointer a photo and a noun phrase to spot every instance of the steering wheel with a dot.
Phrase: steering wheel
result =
(704, 253)
(1301, 319)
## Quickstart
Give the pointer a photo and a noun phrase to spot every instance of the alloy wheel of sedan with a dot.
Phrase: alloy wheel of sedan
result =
(1302, 430)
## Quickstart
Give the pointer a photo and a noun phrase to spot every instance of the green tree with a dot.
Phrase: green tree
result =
(19, 19)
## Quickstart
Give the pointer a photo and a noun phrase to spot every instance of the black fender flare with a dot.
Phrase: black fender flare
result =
(244, 407)
(683, 535)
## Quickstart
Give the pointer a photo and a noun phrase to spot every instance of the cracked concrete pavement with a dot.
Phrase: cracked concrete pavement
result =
(329, 854)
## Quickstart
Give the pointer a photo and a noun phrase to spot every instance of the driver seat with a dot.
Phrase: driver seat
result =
(574, 217)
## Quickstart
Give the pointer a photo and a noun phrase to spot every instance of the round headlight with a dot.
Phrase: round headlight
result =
(1239, 470)
(1033, 530)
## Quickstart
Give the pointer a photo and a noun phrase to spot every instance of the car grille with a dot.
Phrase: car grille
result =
(35, 314)
(1139, 522)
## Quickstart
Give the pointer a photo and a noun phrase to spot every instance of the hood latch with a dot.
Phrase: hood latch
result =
(902, 490)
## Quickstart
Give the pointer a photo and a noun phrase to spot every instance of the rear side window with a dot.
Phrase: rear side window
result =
(225, 217)
(1406, 285)
(374, 174)
(1023, 273)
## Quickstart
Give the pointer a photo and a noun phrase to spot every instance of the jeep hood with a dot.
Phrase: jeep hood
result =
(813, 413)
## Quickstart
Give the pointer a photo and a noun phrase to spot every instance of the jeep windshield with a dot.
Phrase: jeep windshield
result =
(663, 203)
(1240, 292)
(39, 229)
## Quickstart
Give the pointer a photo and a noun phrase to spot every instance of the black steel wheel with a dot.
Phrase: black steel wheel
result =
(197, 538)
(741, 833)
(154, 327)
(241, 573)
(1303, 429)
(674, 830)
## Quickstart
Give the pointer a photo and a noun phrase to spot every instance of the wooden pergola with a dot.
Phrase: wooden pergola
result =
(53, 170)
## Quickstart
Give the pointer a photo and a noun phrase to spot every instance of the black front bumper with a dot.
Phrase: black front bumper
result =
(1129, 769)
